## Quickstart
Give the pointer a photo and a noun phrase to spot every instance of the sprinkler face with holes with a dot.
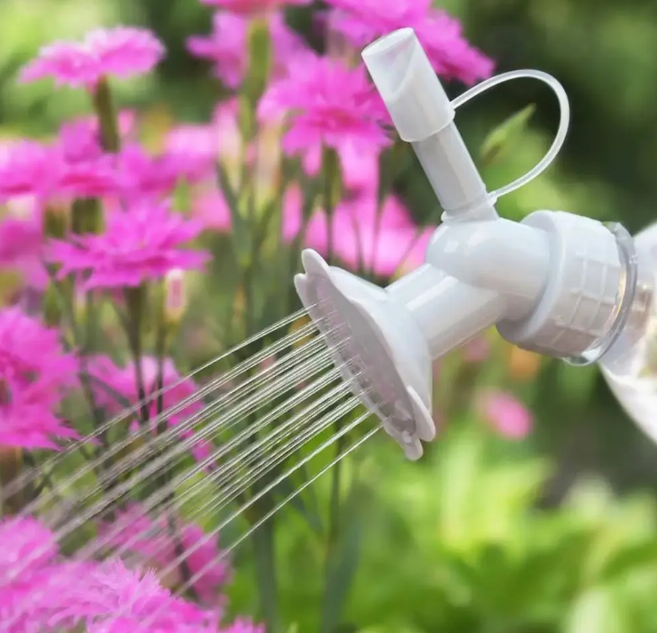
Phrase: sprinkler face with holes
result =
(556, 283)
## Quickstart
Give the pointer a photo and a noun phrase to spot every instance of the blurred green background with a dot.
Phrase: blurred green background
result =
(605, 54)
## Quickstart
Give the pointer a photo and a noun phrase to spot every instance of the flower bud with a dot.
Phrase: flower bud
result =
(505, 414)
(175, 299)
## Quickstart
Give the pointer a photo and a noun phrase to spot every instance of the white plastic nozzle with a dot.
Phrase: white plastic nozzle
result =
(424, 117)
(408, 85)
(555, 283)
(552, 284)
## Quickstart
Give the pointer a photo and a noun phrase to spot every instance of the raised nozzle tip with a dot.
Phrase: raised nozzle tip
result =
(388, 60)
(407, 83)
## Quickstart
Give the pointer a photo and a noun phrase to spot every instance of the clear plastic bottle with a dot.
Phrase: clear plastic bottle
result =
(629, 358)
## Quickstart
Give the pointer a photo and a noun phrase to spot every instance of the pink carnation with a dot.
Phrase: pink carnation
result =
(111, 597)
(253, 7)
(151, 541)
(121, 51)
(212, 209)
(363, 21)
(243, 626)
(91, 178)
(79, 140)
(27, 168)
(27, 552)
(195, 149)
(124, 382)
(73, 168)
(450, 54)
(227, 46)
(26, 546)
(506, 414)
(145, 176)
(21, 247)
(328, 104)
(35, 374)
(144, 242)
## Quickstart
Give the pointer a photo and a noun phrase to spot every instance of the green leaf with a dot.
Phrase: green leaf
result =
(310, 515)
(597, 611)
(502, 138)
(344, 563)
(633, 558)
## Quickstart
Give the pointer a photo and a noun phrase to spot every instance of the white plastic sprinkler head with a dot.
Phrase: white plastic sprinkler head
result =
(555, 283)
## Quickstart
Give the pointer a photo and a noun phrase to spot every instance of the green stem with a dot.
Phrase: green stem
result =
(66, 303)
(135, 302)
(103, 104)
(165, 480)
(331, 171)
(11, 466)
(265, 561)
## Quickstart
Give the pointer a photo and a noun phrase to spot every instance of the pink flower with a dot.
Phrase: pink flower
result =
(124, 382)
(506, 415)
(35, 374)
(449, 52)
(382, 246)
(73, 168)
(121, 51)
(111, 597)
(26, 546)
(91, 178)
(79, 140)
(326, 103)
(27, 552)
(253, 7)
(243, 626)
(211, 208)
(141, 243)
(27, 168)
(227, 46)
(144, 176)
(151, 541)
(21, 247)
(194, 149)
(362, 21)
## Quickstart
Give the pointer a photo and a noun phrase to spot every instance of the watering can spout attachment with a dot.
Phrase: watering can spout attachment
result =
(553, 283)
(424, 116)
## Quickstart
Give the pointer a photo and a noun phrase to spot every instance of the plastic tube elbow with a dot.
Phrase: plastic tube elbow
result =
(505, 257)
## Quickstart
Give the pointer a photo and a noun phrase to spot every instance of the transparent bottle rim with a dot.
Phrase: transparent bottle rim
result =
(627, 252)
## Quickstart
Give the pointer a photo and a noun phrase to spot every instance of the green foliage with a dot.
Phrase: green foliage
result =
(477, 550)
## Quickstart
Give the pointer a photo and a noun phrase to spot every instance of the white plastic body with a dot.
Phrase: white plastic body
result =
(555, 283)
(551, 284)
